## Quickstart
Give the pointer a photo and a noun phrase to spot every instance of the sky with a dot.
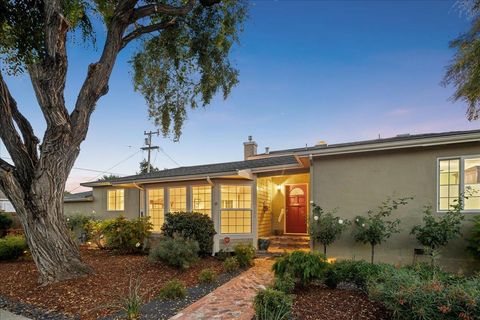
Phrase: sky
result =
(337, 71)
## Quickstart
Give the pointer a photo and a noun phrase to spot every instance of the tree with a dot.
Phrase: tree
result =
(109, 176)
(181, 61)
(144, 167)
(436, 232)
(374, 229)
(325, 227)
(464, 71)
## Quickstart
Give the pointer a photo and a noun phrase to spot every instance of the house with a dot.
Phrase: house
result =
(270, 193)
(81, 202)
(5, 204)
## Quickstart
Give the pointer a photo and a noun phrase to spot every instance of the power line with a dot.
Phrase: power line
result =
(169, 157)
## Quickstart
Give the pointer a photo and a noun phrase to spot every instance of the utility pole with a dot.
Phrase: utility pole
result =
(149, 147)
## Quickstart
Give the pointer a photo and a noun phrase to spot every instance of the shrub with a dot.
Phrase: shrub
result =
(325, 227)
(173, 289)
(374, 229)
(12, 247)
(245, 255)
(286, 283)
(303, 266)
(231, 264)
(474, 239)
(176, 252)
(126, 235)
(79, 224)
(132, 303)
(358, 272)
(332, 278)
(207, 276)
(272, 304)
(5, 223)
(193, 225)
(436, 232)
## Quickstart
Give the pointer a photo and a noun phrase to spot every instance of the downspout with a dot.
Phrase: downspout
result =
(210, 182)
(312, 192)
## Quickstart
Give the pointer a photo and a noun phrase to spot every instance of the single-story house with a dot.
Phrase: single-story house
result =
(271, 192)
(5, 204)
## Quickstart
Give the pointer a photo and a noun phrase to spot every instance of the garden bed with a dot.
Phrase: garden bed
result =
(94, 296)
(335, 304)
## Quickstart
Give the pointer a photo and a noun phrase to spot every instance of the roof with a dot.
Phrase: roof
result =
(399, 141)
(231, 168)
(79, 197)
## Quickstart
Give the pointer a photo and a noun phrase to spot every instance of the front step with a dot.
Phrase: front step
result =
(282, 244)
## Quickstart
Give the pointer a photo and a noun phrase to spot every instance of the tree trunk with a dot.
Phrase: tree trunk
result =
(373, 254)
(325, 250)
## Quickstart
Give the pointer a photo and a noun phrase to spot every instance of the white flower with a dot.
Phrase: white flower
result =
(68, 219)
(363, 224)
(315, 218)
(340, 221)
(311, 201)
(357, 220)
(137, 244)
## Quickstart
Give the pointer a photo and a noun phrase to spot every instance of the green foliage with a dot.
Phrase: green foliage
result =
(325, 227)
(173, 289)
(332, 278)
(245, 255)
(303, 266)
(12, 247)
(272, 304)
(285, 283)
(133, 301)
(192, 225)
(231, 264)
(436, 232)
(177, 252)
(125, 235)
(5, 223)
(474, 238)
(374, 229)
(144, 167)
(358, 272)
(186, 65)
(80, 225)
(207, 275)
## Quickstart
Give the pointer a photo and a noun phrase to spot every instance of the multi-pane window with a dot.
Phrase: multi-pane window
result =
(177, 199)
(156, 208)
(459, 177)
(202, 199)
(236, 209)
(115, 200)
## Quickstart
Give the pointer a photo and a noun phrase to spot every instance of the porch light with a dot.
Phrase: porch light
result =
(279, 187)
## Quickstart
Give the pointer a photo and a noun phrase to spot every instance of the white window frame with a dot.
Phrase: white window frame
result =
(147, 207)
(190, 199)
(108, 200)
(251, 209)
(461, 180)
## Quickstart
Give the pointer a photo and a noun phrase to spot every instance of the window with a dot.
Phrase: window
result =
(178, 199)
(202, 199)
(156, 208)
(115, 200)
(236, 209)
(459, 176)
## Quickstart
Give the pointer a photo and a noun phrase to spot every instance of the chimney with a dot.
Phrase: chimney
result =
(249, 148)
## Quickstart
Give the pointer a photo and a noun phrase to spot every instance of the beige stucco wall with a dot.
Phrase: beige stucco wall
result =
(357, 183)
(80, 207)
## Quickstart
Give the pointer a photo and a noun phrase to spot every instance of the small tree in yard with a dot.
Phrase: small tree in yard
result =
(325, 227)
(374, 229)
(181, 62)
(436, 232)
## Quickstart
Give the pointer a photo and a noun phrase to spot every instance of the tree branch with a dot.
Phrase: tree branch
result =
(147, 29)
(151, 9)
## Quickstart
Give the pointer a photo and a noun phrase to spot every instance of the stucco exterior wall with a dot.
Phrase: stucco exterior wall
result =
(80, 207)
(356, 183)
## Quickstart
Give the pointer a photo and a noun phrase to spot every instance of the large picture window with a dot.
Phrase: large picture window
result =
(459, 176)
(177, 199)
(115, 200)
(202, 199)
(236, 209)
(156, 208)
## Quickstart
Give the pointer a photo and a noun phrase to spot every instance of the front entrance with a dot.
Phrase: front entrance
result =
(296, 208)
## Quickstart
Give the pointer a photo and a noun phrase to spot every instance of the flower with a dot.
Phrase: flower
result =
(315, 218)
(363, 224)
(340, 221)
(137, 244)
(444, 309)
(311, 201)
(357, 220)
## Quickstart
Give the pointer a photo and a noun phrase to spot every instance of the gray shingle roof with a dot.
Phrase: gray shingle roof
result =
(214, 168)
(80, 196)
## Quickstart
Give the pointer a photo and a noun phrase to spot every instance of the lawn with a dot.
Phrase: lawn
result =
(94, 296)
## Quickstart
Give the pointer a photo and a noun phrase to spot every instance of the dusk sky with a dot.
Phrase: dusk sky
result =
(309, 70)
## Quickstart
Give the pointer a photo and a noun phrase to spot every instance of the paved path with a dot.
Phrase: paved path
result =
(233, 300)
(6, 315)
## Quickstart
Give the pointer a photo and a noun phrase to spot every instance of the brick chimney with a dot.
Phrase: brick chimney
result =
(249, 148)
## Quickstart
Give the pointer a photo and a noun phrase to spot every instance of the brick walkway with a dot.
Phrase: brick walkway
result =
(233, 300)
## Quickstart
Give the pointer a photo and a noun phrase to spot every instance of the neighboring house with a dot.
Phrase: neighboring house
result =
(79, 203)
(5, 204)
(270, 193)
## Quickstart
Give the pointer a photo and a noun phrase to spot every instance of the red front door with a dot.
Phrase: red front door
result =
(296, 213)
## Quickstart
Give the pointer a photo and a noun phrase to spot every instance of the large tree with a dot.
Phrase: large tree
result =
(181, 61)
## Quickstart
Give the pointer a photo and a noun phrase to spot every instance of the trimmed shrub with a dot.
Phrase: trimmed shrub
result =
(12, 247)
(79, 225)
(126, 236)
(357, 272)
(286, 283)
(173, 289)
(5, 223)
(231, 264)
(272, 304)
(207, 275)
(192, 225)
(245, 255)
(176, 252)
(303, 266)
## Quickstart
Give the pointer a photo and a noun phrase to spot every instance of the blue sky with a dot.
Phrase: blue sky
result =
(309, 70)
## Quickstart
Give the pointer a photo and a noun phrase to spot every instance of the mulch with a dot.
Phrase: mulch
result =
(320, 302)
(97, 295)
